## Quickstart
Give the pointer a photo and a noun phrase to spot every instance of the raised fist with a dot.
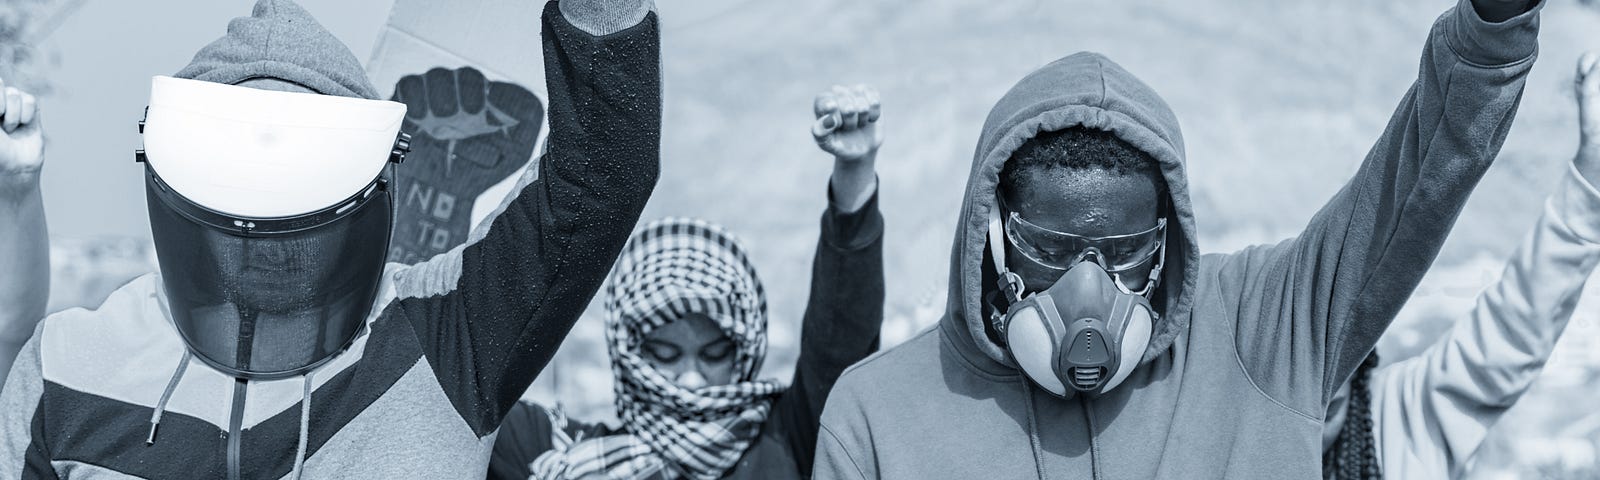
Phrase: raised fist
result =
(1588, 86)
(467, 134)
(846, 124)
(22, 146)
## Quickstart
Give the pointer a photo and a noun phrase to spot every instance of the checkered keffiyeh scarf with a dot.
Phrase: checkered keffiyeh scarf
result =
(670, 268)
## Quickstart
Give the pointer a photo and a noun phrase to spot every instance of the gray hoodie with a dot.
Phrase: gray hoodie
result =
(1250, 345)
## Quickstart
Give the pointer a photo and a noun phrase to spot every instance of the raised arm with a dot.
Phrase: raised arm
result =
(845, 310)
(1311, 308)
(24, 243)
(489, 315)
(1435, 409)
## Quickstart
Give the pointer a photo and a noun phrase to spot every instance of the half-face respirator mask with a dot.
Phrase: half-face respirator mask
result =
(1087, 331)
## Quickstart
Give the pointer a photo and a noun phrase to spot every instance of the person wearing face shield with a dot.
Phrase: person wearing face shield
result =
(686, 331)
(1426, 416)
(1087, 337)
(275, 341)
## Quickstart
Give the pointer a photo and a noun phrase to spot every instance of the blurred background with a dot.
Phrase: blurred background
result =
(1279, 101)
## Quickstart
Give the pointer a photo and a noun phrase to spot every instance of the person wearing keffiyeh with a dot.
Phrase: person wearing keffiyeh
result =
(686, 331)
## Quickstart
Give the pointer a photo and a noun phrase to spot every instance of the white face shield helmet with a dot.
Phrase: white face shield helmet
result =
(271, 213)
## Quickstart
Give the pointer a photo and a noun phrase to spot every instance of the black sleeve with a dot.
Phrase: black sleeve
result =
(843, 317)
(490, 315)
(525, 434)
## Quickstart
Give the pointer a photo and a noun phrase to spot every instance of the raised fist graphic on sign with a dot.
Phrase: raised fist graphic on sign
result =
(468, 133)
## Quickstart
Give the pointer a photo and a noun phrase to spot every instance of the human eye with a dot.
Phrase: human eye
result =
(662, 352)
(718, 351)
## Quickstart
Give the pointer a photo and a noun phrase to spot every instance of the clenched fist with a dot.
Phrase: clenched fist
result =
(847, 122)
(22, 146)
(1588, 86)
(847, 128)
(467, 134)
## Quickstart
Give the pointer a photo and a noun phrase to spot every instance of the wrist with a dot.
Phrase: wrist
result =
(1588, 162)
(1576, 201)
(862, 165)
(1496, 11)
(855, 171)
(15, 186)
(853, 182)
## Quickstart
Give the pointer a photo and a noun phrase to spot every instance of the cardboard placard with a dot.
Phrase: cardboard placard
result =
(472, 78)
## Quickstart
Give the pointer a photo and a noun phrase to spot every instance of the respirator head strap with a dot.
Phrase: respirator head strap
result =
(1009, 287)
(1007, 293)
(1154, 280)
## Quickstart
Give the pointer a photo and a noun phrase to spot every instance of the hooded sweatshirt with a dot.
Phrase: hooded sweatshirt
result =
(1249, 346)
(450, 344)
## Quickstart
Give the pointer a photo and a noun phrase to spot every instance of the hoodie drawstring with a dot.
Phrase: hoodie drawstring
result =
(305, 428)
(161, 405)
(305, 412)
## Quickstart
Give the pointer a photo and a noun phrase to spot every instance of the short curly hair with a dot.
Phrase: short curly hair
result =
(1077, 148)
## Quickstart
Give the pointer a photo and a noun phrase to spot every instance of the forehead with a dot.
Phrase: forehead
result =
(690, 330)
(1093, 201)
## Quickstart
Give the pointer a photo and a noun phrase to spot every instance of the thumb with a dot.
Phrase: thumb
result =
(34, 124)
(825, 125)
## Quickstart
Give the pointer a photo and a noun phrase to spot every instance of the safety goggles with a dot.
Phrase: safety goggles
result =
(1061, 250)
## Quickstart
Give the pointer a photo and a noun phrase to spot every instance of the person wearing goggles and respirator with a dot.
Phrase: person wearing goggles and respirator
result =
(1426, 416)
(686, 327)
(1100, 299)
(1087, 337)
(276, 341)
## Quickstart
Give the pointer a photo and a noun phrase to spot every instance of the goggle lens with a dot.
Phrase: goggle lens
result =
(1061, 250)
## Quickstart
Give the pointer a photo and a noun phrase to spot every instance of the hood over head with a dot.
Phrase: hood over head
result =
(281, 47)
(1090, 90)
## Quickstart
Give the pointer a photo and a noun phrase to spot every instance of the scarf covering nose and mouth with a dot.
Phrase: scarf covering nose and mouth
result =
(670, 268)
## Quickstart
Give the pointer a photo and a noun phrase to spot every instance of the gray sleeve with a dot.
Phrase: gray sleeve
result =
(833, 460)
(845, 447)
(21, 456)
(605, 17)
(1311, 309)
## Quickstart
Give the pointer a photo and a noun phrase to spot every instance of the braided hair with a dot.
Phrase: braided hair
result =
(1354, 455)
